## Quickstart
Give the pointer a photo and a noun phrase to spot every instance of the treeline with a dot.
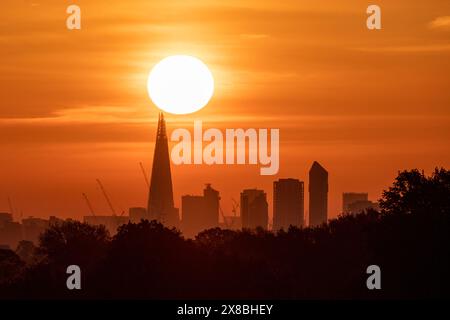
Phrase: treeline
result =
(409, 240)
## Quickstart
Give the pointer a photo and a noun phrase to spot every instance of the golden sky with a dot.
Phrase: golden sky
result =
(74, 105)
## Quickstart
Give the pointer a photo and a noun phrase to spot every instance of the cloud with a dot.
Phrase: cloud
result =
(254, 36)
(406, 48)
(442, 23)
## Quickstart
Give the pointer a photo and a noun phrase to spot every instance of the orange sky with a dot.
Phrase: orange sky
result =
(74, 106)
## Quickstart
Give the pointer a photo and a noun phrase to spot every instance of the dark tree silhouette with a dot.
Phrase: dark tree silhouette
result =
(10, 265)
(73, 243)
(27, 252)
(61, 245)
(148, 253)
(408, 240)
(414, 192)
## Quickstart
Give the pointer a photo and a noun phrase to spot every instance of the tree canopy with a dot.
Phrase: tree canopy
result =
(408, 239)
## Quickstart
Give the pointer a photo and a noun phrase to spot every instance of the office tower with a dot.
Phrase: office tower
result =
(288, 203)
(254, 209)
(33, 227)
(137, 214)
(192, 210)
(200, 212)
(5, 218)
(350, 197)
(10, 232)
(54, 221)
(361, 206)
(211, 198)
(318, 195)
(160, 199)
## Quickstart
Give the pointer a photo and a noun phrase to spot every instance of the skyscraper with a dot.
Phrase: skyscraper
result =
(200, 212)
(354, 203)
(351, 197)
(137, 214)
(160, 199)
(288, 203)
(318, 195)
(362, 206)
(254, 209)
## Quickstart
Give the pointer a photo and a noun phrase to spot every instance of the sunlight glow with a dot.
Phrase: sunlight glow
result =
(180, 84)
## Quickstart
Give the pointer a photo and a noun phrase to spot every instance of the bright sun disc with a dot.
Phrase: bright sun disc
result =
(180, 84)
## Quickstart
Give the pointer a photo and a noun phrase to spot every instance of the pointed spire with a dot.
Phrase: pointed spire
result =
(160, 201)
(161, 126)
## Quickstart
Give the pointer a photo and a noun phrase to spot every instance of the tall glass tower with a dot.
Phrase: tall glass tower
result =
(318, 195)
(160, 199)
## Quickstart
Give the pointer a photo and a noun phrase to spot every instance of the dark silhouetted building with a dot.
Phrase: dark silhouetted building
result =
(354, 203)
(288, 203)
(350, 197)
(54, 221)
(160, 200)
(5, 218)
(192, 211)
(362, 206)
(11, 233)
(33, 227)
(200, 212)
(137, 214)
(318, 195)
(254, 209)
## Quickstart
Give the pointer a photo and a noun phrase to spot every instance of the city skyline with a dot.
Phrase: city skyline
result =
(75, 106)
(252, 215)
(199, 213)
(165, 193)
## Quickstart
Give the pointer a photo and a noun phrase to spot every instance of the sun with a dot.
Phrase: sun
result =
(180, 84)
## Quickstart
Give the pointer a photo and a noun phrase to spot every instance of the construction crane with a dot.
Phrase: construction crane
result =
(106, 197)
(145, 175)
(223, 217)
(11, 208)
(235, 207)
(88, 204)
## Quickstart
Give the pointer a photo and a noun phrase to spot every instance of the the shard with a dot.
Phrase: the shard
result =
(160, 199)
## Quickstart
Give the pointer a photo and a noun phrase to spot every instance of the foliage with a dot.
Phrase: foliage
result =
(408, 240)
(414, 192)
